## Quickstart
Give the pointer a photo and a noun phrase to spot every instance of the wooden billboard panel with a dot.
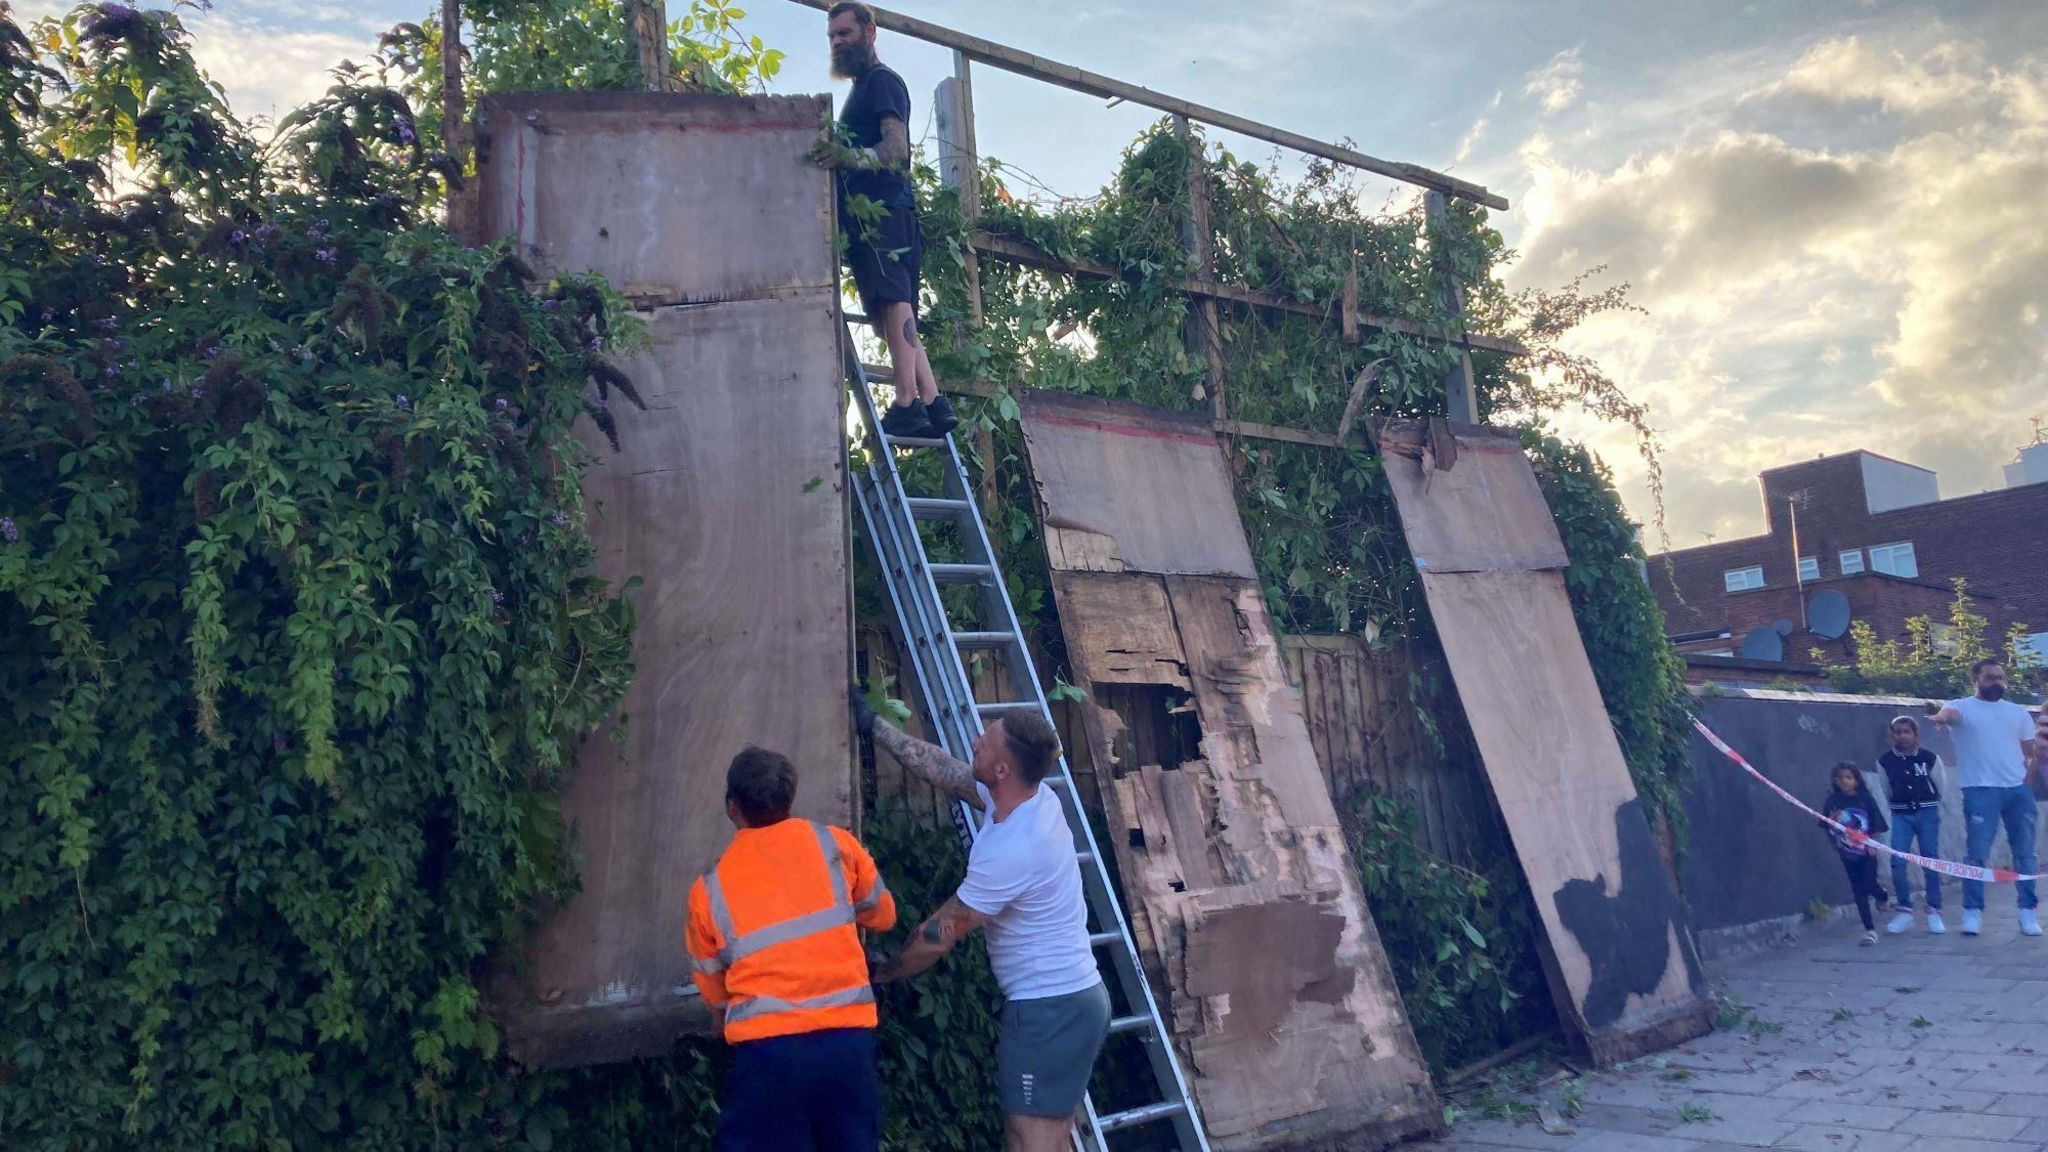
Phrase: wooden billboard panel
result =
(673, 198)
(726, 501)
(1241, 887)
(1617, 947)
(1486, 513)
(1132, 489)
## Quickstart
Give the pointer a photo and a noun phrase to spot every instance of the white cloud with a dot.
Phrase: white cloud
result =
(268, 71)
(1558, 83)
(1805, 298)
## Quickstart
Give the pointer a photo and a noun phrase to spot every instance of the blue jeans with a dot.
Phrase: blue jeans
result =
(1983, 810)
(811, 1092)
(1924, 826)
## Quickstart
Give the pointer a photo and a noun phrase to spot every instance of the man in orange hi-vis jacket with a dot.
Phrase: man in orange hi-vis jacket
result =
(774, 950)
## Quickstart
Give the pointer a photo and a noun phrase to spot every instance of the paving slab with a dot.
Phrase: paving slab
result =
(1920, 1044)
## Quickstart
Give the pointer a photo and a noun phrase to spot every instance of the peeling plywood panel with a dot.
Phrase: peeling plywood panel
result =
(1243, 894)
(1135, 621)
(727, 501)
(1132, 489)
(674, 198)
(1486, 513)
(1617, 946)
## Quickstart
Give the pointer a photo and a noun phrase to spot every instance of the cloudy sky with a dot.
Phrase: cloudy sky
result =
(1834, 211)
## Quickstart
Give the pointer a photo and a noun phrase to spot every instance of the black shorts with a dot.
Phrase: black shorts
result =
(887, 257)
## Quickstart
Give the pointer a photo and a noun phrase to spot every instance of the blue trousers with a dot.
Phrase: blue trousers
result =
(811, 1092)
(1984, 809)
(1924, 826)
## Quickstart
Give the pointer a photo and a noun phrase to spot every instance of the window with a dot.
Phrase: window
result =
(1894, 560)
(1743, 579)
(1852, 561)
(1809, 568)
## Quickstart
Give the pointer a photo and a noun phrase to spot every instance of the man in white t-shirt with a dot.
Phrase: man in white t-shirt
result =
(1023, 887)
(1994, 740)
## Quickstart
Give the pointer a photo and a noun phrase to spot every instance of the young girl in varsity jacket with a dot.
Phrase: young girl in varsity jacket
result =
(1851, 805)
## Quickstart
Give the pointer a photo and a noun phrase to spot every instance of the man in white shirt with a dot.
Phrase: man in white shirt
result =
(1023, 886)
(1995, 747)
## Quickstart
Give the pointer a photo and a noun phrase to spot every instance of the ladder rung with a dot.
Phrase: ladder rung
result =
(961, 573)
(914, 442)
(1002, 706)
(1132, 1023)
(1085, 856)
(1132, 1117)
(983, 639)
(936, 507)
(1104, 939)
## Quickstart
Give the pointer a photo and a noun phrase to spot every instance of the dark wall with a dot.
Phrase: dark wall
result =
(1754, 857)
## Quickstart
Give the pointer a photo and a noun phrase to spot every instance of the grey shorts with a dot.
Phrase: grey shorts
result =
(1047, 1051)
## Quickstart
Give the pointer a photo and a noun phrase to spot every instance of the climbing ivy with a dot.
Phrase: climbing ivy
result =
(297, 625)
(1322, 525)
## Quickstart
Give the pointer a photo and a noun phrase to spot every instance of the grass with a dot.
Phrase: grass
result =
(1696, 1114)
(1679, 1075)
(1922, 1022)
(1842, 1015)
(1731, 1012)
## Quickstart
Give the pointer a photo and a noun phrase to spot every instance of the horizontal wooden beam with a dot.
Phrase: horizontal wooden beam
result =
(1018, 252)
(882, 373)
(1094, 84)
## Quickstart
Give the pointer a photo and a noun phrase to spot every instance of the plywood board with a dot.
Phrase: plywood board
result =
(1614, 927)
(673, 198)
(1127, 488)
(727, 501)
(1485, 512)
(1243, 894)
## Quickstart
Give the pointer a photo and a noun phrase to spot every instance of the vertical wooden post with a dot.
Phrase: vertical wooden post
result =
(960, 163)
(1204, 334)
(454, 133)
(650, 43)
(1461, 403)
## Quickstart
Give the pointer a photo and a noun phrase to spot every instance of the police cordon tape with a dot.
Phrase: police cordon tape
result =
(1945, 867)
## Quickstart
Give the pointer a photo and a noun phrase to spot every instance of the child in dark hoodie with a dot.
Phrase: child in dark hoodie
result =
(1851, 805)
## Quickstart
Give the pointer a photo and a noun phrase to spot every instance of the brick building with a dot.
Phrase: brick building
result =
(1877, 531)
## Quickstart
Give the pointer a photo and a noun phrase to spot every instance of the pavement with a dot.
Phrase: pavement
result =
(1920, 1044)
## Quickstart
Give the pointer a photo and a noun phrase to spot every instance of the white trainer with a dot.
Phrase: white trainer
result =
(2030, 922)
(1898, 924)
(1869, 938)
(1973, 921)
(1935, 926)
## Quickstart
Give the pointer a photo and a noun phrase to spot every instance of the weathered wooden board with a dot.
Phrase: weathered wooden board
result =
(674, 198)
(727, 501)
(1486, 513)
(1132, 489)
(1243, 894)
(1617, 947)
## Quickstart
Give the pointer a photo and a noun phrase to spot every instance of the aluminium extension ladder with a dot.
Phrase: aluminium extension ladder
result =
(890, 519)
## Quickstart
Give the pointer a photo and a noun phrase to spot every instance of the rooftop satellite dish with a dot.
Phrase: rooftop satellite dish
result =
(1782, 627)
(1828, 615)
(1763, 644)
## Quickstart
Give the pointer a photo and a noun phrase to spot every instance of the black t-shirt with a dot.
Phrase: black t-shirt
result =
(1909, 780)
(879, 93)
(1857, 811)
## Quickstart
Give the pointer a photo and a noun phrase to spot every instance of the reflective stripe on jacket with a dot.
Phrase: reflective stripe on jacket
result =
(771, 932)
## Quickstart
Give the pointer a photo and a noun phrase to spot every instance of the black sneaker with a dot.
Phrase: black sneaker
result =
(912, 422)
(941, 412)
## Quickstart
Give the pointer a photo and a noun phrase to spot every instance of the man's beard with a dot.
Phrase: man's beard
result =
(849, 62)
(1991, 692)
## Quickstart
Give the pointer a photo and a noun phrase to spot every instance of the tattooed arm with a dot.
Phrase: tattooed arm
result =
(894, 149)
(933, 939)
(939, 768)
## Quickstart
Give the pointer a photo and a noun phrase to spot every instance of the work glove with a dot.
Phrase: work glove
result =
(863, 716)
